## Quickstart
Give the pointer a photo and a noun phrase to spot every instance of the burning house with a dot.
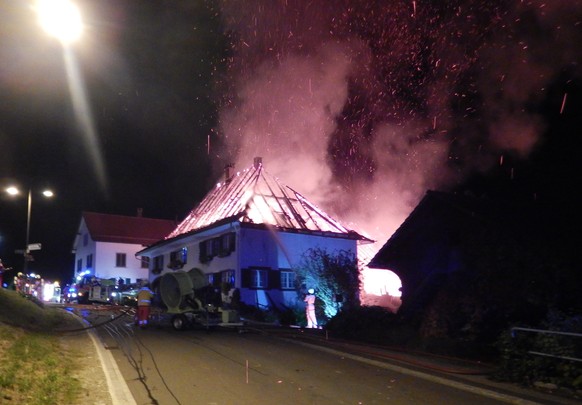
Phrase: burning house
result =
(249, 232)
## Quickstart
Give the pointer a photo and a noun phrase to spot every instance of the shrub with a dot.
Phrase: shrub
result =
(251, 312)
(289, 316)
(334, 276)
(366, 323)
(529, 357)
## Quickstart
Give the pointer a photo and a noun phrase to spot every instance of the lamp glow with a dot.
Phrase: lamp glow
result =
(12, 191)
(61, 19)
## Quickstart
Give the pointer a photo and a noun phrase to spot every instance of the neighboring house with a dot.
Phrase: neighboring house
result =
(448, 237)
(105, 245)
(250, 232)
(472, 267)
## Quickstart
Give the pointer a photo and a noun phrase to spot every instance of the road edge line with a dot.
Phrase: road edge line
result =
(439, 380)
(119, 390)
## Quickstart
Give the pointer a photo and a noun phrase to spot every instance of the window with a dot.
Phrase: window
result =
(215, 247)
(287, 280)
(145, 262)
(208, 249)
(220, 246)
(158, 264)
(227, 276)
(227, 242)
(79, 265)
(204, 256)
(120, 259)
(85, 239)
(259, 278)
(89, 261)
(179, 258)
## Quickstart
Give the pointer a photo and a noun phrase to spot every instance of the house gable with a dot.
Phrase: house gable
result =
(443, 236)
(105, 245)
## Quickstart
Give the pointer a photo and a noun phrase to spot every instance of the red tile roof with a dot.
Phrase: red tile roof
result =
(124, 229)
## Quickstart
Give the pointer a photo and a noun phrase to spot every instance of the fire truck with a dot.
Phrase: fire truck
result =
(89, 289)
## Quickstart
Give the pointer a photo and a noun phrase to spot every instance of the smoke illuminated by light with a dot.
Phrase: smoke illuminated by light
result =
(84, 116)
(364, 106)
(62, 19)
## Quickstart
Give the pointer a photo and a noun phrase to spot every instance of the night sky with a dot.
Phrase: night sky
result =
(360, 105)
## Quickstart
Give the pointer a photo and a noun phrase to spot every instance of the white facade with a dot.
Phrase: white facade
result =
(105, 259)
(255, 263)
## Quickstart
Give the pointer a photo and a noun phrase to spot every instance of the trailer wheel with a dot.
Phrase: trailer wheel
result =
(179, 322)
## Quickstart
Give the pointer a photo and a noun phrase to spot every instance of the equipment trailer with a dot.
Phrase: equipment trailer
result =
(190, 300)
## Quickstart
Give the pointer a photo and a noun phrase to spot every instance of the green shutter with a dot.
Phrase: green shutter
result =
(274, 279)
(245, 278)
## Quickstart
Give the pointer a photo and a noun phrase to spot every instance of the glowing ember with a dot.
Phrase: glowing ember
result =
(563, 103)
(369, 104)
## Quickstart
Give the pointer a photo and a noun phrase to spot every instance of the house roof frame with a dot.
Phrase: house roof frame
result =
(254, 196)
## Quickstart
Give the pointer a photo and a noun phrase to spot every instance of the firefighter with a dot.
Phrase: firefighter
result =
(144, 302)
(310, 309)
(2, 270)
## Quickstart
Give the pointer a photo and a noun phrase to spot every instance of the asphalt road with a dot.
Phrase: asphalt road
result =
(163, 366)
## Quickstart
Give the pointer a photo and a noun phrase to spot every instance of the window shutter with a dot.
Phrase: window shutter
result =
(274, 279)
(215, 247)
(224, 248)
(232, 241)
(216, 282)
(203, 257)
(245, 278)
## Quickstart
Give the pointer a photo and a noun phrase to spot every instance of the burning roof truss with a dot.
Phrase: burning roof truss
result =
(254, 196)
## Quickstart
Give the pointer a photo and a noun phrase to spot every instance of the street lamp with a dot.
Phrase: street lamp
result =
(61, 19)
(12, 190)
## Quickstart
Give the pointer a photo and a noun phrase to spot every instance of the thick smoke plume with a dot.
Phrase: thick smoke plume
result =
(364, 105)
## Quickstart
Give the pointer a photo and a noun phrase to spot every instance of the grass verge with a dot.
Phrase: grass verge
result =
(35, 368)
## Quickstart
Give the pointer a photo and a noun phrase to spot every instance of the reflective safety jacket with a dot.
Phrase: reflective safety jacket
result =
(310, 300)
(144, 297)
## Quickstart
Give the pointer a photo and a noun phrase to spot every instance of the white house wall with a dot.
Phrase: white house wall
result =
(280, 251)
(82, 250)
(295, 245)
(257, 248)
(104, 257)
(192, 243)
(105, 261)
(254, 248)
(284, 250)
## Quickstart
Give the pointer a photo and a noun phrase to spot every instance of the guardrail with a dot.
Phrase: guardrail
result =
(547, 332)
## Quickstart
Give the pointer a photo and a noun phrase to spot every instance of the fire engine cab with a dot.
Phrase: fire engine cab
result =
(89, 289)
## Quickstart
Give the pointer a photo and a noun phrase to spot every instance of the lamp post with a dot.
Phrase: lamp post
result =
(12, 190)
